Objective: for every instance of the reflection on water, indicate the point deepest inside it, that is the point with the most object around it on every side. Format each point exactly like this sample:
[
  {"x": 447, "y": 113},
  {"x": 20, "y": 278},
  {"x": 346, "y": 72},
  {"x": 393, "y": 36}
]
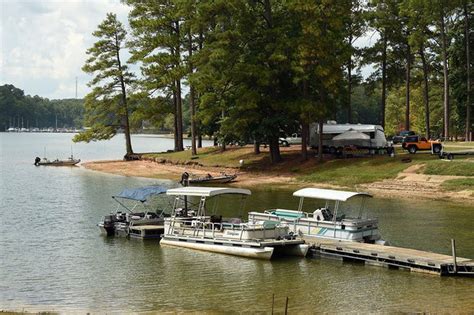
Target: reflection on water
[{"x": 52, "y": 256}]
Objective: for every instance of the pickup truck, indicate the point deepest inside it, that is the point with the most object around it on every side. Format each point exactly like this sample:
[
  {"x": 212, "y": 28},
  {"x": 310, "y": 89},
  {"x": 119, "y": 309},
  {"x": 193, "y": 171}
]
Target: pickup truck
[{"x": 417, "y": 143}]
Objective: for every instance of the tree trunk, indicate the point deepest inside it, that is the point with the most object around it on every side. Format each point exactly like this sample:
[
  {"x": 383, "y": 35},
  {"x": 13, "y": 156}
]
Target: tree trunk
[
  {"x": 426, "y": 97},
  {"x": 445, "y": 79},
  {"x": 191, "y": 97},
  {"x": 407, "y": 89},
  {"x": 384, "y": 79},
  {"x": 175, "y": 108},
  {"x": 256, "y": 147},
  {"x": 275, "y": 155},
  {"x": 468, "y": 72},
  {"x": 320, "y": 140},
  {"x": 199, "y": 138},
  {"x": 349, "y": 79},
  {"x": 126, "y": 122},
  {"x": 179, "y": 101},
  {"x": 304, "y": 140}
]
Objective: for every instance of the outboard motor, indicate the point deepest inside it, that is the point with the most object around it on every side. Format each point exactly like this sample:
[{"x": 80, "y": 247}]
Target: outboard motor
[
  {"x": 37, "y": 160},
  {"x": 185, "y": 179}
]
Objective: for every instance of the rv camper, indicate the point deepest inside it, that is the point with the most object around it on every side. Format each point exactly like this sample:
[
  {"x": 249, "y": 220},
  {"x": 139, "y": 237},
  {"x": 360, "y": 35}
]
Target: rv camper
[{"x": 337, "y": 136}]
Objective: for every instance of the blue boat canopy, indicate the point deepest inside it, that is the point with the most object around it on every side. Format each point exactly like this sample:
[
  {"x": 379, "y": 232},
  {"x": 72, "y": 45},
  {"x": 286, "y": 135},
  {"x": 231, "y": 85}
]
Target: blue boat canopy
[{"x": 142, "y": 193}]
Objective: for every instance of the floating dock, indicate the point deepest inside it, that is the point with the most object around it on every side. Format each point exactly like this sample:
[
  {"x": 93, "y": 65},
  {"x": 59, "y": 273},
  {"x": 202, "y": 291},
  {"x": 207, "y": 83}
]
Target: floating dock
[{"x": 393, "y": 257}]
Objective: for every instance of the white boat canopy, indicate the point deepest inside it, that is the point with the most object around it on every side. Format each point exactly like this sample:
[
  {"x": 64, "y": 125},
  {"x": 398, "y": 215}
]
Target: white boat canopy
[
  {"x": 206, "y": 191},
  {"x": 328, "y": 194}
]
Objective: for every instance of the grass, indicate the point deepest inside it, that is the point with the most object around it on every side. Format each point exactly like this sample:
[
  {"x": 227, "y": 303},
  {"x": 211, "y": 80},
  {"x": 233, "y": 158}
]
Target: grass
[
  {"x": 463, "y": 167},
  {"x": 466, "y": 145},
  {"x": 459, "y": 184},
  {"x": 354, "y": 171}
]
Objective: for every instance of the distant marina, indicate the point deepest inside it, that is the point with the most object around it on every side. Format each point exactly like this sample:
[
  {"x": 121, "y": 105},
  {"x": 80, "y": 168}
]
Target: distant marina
[{"x": 45, "y": 130}]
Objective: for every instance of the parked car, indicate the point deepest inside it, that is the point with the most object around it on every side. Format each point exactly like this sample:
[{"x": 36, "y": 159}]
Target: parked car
[
  {"x": 417, "y": 143},
  {"x": 294, "y": 139},
  {"x": 401, "y": 136}
]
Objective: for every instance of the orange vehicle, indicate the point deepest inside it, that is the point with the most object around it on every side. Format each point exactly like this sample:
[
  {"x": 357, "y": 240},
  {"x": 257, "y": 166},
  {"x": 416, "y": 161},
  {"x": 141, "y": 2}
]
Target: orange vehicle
[{"x": 417, "y": 143}]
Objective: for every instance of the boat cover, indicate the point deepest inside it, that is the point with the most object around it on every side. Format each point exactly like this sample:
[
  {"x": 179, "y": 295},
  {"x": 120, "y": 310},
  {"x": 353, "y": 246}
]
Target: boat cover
[
  {"x": 328, "y": 194},
  {"x": 142, "y": 193}
]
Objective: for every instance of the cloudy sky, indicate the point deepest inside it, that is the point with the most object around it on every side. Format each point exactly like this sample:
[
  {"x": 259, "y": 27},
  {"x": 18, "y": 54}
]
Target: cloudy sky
[{"x": 43, "y": 43}]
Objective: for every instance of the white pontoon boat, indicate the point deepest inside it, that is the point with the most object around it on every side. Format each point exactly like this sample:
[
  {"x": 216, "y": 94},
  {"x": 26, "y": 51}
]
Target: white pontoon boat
[
  {"x": 195, "y": 229},
  {"x": 325, "y": 222}
]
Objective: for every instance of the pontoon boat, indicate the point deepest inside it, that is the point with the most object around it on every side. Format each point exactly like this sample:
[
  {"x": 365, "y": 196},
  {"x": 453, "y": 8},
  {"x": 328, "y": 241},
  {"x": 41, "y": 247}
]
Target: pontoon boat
[
  {"x": 328, "y": 222},
  {"x": 195, "y": 229}
]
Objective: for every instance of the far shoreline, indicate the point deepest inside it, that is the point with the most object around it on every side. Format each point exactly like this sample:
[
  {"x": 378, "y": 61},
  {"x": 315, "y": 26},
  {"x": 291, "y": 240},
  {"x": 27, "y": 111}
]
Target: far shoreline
[{"x": 408, "y": 183}]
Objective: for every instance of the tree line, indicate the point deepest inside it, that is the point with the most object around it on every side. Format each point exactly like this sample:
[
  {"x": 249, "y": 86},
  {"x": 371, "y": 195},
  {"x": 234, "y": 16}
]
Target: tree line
[
  {"x": 255, "y": 69},
  {"x": 18, "y": 110}
]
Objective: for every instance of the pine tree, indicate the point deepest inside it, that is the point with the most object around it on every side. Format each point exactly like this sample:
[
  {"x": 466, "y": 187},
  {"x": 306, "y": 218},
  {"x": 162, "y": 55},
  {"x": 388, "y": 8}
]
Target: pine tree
[{"x": 106, "y": 106}]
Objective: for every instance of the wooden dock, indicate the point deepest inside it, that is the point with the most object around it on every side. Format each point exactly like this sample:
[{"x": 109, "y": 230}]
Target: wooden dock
[{"x": 392, "y": 257}]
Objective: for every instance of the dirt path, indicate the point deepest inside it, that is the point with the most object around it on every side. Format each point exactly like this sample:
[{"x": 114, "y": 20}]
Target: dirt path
[{"x": 408, "y": 184}]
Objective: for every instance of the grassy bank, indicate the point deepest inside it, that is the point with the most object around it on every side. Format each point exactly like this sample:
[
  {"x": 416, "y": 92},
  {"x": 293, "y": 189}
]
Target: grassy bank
[{"x": 341, "y": 172}]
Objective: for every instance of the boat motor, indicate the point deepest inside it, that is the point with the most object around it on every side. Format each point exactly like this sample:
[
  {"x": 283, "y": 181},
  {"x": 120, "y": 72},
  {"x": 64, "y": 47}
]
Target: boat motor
[{"x": 37, "y": 160}]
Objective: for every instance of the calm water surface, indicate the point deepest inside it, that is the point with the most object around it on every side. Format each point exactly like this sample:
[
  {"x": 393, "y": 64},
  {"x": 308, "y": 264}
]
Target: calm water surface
[{"x": 53, "y": 258}]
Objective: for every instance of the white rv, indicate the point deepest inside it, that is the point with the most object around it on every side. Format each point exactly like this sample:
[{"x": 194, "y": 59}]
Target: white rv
[{"x": 337, "y": 136}]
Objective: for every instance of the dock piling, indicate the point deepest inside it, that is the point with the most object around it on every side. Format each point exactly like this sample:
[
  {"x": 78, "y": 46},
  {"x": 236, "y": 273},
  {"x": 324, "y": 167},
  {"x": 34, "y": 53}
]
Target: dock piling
[{"x": 453, "y": 249}]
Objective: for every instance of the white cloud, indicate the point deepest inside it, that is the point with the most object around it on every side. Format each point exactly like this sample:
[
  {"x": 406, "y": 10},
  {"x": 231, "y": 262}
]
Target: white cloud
[{"x": 46, "y": 41}]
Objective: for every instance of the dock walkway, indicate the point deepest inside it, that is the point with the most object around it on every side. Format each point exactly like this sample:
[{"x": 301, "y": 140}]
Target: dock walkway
[{"x": 392, "y": 257}]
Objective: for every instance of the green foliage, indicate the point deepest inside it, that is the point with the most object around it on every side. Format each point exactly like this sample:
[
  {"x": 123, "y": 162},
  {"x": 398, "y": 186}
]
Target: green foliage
[{"x": 37, "y": 112}]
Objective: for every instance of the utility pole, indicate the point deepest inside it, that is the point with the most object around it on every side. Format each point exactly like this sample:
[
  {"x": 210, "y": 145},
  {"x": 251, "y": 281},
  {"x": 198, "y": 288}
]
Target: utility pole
[{"x": 76, "y": 87}]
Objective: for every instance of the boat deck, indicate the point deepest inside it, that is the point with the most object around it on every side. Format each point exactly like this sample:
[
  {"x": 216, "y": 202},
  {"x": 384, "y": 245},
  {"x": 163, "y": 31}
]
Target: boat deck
[
  {"x": 392, "y": 257},
  {"x": 234, "y": 242},
  {"x": 147, "y": 227}
]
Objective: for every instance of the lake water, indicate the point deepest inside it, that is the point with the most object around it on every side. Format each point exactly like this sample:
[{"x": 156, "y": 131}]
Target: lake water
[{"x": 52, "y": 256}]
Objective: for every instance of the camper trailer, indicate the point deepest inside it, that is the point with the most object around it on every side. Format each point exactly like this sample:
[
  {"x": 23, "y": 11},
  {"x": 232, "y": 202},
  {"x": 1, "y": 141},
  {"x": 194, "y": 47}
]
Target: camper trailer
[{"x": 337, "y": 136}]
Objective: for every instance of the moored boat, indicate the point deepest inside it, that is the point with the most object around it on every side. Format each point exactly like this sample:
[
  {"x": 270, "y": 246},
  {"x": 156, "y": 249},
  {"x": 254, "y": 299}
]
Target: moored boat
[
  {"x": 193, "y": 228},
  {"x": 329, "y": 222},
  {"x": 70, "y": 161},
  {"x": 223, "y": 178},
  {"x": 143, "y": 223}
]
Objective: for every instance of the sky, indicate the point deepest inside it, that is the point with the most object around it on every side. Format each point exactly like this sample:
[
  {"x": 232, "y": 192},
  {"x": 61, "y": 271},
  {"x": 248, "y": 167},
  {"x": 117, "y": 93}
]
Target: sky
[{"x": 43, "y": 43}]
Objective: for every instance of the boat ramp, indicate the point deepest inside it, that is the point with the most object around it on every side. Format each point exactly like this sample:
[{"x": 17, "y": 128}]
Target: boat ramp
[{"x": 392, "y": 257}]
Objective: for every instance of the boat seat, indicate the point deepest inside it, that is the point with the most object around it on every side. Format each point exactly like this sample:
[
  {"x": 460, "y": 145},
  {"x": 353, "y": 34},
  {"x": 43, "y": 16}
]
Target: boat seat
[
  {"x": 268, "y": 224},
  {"x": 288, "y": 213}
]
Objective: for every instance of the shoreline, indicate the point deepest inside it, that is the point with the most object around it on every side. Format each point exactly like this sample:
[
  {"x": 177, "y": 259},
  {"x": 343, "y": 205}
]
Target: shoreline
[{"x": 408, "y": 183}]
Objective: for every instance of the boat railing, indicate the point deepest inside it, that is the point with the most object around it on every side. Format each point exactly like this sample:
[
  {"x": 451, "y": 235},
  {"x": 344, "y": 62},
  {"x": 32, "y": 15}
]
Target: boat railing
[{"x": 209, "y": 229}]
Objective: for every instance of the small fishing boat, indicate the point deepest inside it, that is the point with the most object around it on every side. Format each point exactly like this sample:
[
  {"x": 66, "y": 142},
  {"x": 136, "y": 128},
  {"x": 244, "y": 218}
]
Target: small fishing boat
[
  {"x": 187, "y": 178},
  {"x": 195, "y": 229},
  {"x": 70, "y": 161},
  {"x": 329, "y": 222},
  {"x": 134, "y": 223}
]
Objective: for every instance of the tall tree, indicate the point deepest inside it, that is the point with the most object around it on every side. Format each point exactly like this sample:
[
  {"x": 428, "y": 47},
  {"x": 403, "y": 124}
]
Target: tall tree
[
  {"x": 467, "y": 41},
  {"x": 106, "y": 106},
  {"x": 355, "y": 27},
  {"x": 389, "y": 50},
  {"x": 156, "y": 44}
]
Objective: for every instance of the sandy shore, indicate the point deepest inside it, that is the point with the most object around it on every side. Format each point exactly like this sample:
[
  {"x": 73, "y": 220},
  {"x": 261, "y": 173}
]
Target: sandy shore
[{"x": 408, "y": 184}]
